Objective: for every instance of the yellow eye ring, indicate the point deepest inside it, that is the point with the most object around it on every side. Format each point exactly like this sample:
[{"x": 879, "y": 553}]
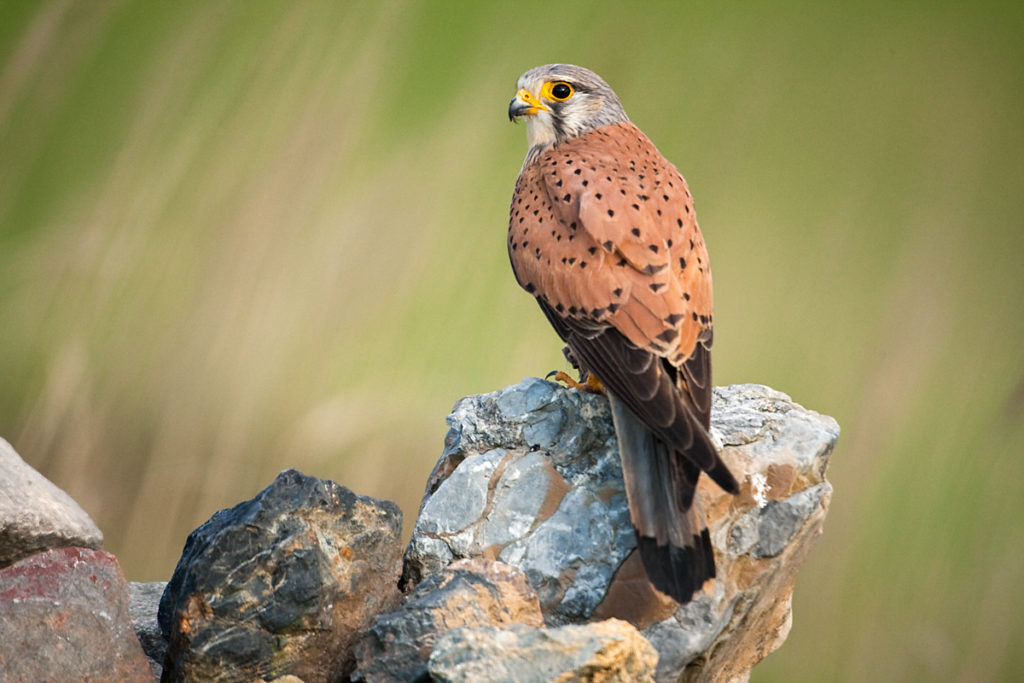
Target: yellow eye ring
[{"x": 557, "y": 91}]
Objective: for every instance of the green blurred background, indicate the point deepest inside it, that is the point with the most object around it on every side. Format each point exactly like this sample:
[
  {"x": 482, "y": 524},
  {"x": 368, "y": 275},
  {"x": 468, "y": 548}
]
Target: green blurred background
[{"x": 242, "y": 236}]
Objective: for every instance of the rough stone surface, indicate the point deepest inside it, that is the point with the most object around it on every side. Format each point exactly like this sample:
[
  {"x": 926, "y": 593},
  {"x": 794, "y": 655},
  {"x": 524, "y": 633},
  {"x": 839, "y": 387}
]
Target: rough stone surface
[
  {"x": 473, "y": 592},
  {"x": 761, "y": 536},
  {"x": 530, "y": 475},
  {"x": 285, "y": 583},
  {"x": 64, "y": 617},
  {"x": 607, "y": 651},
  {"x": 144, "y": 602},
  {"x": 35, "y": 514}
]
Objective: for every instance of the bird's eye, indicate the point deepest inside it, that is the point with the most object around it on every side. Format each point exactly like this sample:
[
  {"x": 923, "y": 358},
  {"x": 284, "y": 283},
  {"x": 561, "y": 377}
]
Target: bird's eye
[{"x": 560, "y": 91}]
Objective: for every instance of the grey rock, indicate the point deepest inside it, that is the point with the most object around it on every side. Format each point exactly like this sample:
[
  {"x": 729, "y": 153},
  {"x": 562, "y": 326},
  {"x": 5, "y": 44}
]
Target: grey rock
[
  {"x": 35, "y": 514},
  {"x": 459, "y": 512},
  {"x": 285, "y": 583},
  {"x": 543, "y": 475},
  {"x": 771, "y": 428},
  {"x": 608, "y": 651},
  {"x": 582, "y": 541},
  {"x": 541, "y": 469},
  {"x": 475, "y": 592},
  {"x": 780, "y": 451},
  {"x": 690, "y": 631},
  {"x": 779, "y": 520},
  {"x": 144, "y": 602},
  {"x": 64, "y": 617}
]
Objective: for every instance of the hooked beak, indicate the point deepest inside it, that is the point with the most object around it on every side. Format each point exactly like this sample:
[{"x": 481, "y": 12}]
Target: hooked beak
[{"x": 524, "y": 104}]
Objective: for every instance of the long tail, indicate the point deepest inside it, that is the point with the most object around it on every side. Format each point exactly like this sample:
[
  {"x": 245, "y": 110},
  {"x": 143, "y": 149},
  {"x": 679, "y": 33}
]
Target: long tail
[{"x": 673, "y": 539}]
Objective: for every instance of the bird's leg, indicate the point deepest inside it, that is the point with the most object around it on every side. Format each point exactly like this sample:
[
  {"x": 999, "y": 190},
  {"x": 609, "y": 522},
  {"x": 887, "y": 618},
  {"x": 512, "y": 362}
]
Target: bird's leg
[{"x": 587, "y": 382}]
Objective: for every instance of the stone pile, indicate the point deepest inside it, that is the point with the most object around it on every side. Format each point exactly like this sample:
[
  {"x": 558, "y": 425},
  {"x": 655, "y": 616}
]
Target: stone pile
[
  {"x": 63, "y": 602},
  {"x": 521, "y": 564},
  {"x": 530, "y": 476}
]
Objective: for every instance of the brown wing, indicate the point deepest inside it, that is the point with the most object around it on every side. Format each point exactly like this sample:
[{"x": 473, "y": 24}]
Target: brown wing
[
  {"x": 603, "y": 232},
  {"x": 653, "y": 390},
  {"x": 603, "y": 228}
]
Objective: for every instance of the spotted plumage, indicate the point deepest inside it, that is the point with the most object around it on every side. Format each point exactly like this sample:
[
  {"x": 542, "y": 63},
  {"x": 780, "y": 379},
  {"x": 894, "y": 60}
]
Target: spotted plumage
[{"x": 603, "y": 233}]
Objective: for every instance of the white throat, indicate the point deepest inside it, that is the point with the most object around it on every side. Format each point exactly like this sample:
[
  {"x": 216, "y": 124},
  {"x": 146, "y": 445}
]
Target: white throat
[
  {"x": 540, "y": 135},
  {"x": 539, "y": 131}
]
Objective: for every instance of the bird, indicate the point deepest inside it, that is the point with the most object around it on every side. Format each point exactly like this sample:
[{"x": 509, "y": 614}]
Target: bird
[{"x": 602, "y": 232}]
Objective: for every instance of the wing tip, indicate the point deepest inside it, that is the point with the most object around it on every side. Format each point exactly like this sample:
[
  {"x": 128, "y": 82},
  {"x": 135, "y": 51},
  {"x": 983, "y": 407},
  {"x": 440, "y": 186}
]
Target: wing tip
[{"x": 721, "y": 475}]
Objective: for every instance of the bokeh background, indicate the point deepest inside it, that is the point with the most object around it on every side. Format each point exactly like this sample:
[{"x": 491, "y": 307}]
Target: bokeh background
[{"x": 242, "y": 236}]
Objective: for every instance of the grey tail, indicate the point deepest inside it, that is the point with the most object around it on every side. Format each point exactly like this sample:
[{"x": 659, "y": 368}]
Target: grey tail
[{"x": 671, "y": 534}]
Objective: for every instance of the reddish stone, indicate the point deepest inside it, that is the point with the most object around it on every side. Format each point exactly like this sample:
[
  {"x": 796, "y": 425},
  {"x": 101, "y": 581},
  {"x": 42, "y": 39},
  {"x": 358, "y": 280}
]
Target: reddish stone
[{"x": 64, "y": 617}]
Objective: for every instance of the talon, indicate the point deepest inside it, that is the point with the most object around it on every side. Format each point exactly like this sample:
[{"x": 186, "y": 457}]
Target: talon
[
  {"x": 591, "y": 384},
  {"x": 565, "y": 379}
]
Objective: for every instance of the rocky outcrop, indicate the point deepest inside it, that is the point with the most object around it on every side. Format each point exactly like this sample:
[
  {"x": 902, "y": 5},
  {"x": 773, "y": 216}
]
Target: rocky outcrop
[
  {"x": 530, "y": 476},
  {"x": 521, "y": 565},
  {"x": 285, "y": 583},
  {"x": 761, "y": 537}
]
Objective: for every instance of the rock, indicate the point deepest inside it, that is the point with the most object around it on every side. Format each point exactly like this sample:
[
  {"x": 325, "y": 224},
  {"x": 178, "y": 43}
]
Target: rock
[
  {"x": 608, "y": 651},
  {"x": 473, "y": 592},
  {"x": 283, "y": 584},
  {"x": 530, "y": 475},
  {"x": 35, "y": 515},
  {"x": 144, "y": 602},
  {"x": 64, "y": 617},
  {"x": 761, "y": 536}
]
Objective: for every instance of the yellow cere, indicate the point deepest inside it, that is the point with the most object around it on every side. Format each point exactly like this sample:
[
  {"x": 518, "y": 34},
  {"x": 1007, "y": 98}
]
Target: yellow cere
[{"x": 535, "y": 104}]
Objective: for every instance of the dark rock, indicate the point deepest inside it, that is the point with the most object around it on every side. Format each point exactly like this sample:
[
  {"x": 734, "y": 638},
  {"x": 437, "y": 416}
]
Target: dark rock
[
  {"x": 64, "y": 617},
  {"x": 474, "y": 592},
  {"x": 144, "y": 602},
  {"x": 611, "y": 651},
  {"x": 35, "y": 515},
  {"x": 285, "y": 583}
]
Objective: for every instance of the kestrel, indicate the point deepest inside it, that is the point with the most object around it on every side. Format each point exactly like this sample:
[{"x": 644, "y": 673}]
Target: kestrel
[{"x": 603, "y": 233}]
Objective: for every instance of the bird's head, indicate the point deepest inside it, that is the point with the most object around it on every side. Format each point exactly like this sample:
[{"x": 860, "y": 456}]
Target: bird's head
[{"x": 562, "y": 101}]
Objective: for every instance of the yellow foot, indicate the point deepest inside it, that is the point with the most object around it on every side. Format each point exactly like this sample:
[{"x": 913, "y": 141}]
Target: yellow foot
[{"x": 591, "y": 384}]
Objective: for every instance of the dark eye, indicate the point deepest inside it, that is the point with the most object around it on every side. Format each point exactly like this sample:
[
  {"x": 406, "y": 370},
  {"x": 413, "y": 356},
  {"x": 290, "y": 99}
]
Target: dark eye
[{"x": 561, "y": 91}]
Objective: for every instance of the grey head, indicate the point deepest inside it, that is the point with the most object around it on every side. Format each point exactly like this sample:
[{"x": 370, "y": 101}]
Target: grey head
[{"x": 560, "y": 102}]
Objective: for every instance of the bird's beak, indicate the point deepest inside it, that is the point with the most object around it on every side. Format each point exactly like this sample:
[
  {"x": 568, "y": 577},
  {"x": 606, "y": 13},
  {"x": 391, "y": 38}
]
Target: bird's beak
[{"x": 524, "y": 104}]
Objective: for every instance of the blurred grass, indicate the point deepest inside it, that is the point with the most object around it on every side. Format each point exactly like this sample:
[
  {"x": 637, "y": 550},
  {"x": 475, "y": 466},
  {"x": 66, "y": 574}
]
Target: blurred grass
[{"x": 243, "y": 236}]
